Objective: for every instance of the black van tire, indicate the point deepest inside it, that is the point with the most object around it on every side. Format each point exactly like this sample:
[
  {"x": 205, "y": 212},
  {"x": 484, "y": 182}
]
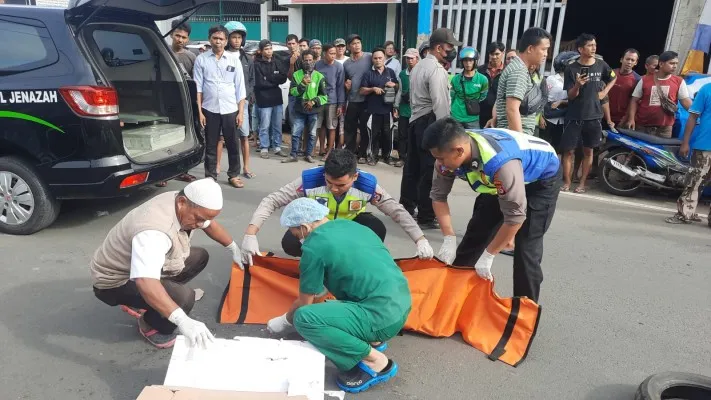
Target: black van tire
[
  {"x": 46, "y": 205},
  {"x": 674, "y": 385}
]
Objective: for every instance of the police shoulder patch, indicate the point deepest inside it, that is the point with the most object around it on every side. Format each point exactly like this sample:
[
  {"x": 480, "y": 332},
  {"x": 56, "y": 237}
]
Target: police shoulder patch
[
  {"x": 500, "y": 188},
  {"x": 377, "y": 198}
]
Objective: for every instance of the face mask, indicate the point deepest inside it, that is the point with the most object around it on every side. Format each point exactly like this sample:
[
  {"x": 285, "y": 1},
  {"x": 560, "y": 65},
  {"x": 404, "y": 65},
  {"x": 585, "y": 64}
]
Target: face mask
[
  {"x": 451, "y": 55},
  {"x": 308, "y": 67},
  {"x": 303, "y": 236}
]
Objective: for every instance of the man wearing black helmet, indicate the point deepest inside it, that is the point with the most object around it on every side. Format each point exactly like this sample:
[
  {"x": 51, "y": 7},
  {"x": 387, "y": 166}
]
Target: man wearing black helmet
[{"x": 429, "y": 99}]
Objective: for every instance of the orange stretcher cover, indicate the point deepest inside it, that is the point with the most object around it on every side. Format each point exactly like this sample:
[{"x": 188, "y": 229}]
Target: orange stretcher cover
[{"x": 445, "y": 300}]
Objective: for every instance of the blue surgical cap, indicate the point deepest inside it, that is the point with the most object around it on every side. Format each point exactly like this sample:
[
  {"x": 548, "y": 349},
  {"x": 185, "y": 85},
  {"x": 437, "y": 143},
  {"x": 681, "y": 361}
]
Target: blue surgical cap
[{"x": 302, "y": 211}]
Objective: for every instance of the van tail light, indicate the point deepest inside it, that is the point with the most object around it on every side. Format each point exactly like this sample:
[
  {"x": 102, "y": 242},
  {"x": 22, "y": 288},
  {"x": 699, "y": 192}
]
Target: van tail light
[
  {"x": 91, "y": 101},
  {"x": 133, "y": 180}
]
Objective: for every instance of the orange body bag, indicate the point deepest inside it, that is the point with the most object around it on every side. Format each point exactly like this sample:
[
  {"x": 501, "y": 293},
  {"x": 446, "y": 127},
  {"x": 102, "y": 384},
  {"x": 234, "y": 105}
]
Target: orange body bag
[{"x": 445, "y": 300}]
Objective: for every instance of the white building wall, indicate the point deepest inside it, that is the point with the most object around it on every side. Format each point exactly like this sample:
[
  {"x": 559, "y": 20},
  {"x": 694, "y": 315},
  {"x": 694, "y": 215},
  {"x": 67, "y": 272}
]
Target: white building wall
[{"x": 683, "y": 26}]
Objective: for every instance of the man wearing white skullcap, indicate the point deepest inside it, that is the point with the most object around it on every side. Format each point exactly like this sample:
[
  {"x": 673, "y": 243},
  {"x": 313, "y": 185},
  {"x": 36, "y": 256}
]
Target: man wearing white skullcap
[{"x": 146, "y": 260}]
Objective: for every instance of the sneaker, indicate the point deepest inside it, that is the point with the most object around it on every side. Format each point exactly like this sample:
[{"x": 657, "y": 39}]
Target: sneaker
[
  {"x": 432, "y": 224},
  {"x": 309, "y": 159},
  {"x": 152, "y": 336},
  {"x": 290, "y": 159},
  {"x": 280, "y": 153},
  {"x": 264, "y": 154},
  {"x": 361, "y": 377}
]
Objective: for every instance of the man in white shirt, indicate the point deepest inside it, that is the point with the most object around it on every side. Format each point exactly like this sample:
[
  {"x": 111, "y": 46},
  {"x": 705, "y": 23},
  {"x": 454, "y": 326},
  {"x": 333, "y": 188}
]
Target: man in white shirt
[
  {"x": 557, "y": 100},
  {"x": 221, "y": 93},
  {"x": 146, "y": 260}
]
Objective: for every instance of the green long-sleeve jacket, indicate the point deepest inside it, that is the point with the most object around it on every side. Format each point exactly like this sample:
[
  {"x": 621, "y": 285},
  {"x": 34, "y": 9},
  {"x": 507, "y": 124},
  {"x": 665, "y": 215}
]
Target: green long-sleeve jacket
[
  {"x": 476, "y": 89},
  {"x": 315, "y": 91}
]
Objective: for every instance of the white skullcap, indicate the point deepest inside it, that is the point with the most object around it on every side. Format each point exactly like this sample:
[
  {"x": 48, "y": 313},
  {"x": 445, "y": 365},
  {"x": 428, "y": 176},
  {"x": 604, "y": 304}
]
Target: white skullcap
[{"x": 205, "y": 193}]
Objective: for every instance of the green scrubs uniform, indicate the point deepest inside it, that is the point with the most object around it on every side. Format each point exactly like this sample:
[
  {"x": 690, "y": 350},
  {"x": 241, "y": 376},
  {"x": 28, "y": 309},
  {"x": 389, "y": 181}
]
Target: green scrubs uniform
[{"x": 373, "y": 297}]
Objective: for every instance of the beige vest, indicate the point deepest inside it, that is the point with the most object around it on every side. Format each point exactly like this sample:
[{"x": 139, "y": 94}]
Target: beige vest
[{"x": 111, "y": 265}]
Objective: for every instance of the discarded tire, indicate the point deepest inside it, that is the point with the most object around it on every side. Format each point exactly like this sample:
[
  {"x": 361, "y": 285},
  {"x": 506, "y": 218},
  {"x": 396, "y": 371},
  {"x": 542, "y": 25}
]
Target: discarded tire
[{"x": 675, "y": 385}]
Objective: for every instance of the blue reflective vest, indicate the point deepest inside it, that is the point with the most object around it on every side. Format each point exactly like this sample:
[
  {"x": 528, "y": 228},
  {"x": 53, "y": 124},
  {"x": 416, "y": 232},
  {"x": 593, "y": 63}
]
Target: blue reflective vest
[
  {"x": 348, "y": 206},
  {"x": 499, "y": 146}
]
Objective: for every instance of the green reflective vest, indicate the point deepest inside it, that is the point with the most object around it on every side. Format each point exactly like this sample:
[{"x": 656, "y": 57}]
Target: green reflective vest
[
  {"x": 353, "y": 202},
  {"x": 316, "y": 91}
]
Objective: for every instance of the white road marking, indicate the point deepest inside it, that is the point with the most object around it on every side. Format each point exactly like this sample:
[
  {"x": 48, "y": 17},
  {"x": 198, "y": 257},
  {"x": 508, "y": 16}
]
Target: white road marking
[{"x": 625, "y": 203}]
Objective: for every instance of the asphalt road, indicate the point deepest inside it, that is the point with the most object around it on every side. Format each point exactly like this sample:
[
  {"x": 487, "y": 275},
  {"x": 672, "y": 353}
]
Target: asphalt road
[{"x": 625, "y": 296}]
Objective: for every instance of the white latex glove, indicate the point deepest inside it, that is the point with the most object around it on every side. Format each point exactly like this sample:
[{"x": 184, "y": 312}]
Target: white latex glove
[
  {"x": 483, "y": 266},
  {"x": 278, "y": 324},
  {"x": 448, "y": 251},
  {"x": 236, "y": 254},
  {"x": 250, "y": 247},
  {"x": 424, "y": 250},
  {"x": 195, "y": 332}
]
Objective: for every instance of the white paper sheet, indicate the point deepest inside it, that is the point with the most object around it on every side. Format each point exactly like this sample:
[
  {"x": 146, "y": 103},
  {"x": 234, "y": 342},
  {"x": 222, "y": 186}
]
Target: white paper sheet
[{"x": 249, "y": 364}]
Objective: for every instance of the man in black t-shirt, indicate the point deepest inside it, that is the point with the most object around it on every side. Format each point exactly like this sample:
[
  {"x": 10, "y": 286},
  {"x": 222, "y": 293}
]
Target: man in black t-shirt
[{"x": 583, "y": 77}]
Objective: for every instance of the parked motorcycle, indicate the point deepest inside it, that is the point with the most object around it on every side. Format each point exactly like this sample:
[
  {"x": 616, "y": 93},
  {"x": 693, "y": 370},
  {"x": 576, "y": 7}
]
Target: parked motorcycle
[{"x": 634, "y": 159}]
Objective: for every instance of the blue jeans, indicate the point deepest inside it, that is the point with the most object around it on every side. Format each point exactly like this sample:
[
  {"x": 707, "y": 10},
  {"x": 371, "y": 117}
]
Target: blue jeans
[
  {"x": 299, "y": 122},
  {"x": 270, "y": 127}
]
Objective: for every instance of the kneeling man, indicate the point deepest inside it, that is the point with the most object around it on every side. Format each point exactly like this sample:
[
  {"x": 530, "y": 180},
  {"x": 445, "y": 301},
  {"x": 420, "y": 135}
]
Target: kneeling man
[
  {"x": 345, "y": 190},
  {"x": 146, "y": 260},
  {"x": 372, "y": 295}
]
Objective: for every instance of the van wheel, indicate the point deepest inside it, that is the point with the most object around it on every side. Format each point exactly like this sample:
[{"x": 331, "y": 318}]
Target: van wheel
[{"x": 26, "y": 204}]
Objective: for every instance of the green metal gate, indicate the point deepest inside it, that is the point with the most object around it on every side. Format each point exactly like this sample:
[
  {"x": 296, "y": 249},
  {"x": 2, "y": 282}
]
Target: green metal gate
[{"x": 328, "y": 22}]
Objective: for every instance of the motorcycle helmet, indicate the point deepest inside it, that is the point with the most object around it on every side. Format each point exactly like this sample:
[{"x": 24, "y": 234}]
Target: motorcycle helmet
[
  {"x": 236, "y": 26},
  {"x": 562, "y": 59},
  {"x": 469, "y": 53},
  {"x": 423, "y": 47}
]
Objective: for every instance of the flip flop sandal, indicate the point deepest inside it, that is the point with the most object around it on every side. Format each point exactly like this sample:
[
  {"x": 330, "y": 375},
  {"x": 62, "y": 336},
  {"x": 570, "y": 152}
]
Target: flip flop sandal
[
  {"x": 134, "y": 312},
  {"x": 162, "y": 184},
  {"x": 236, "y": 183},
  {"x": 565, "y": 188},
  {"x": 580, "y": 190},
  {"x": 677, "y": 220},
  {"x": 381, "y": 347},
  {"x": 362, "y": 161},
  {"x": 186, "y": 178},
  {"x": 248, "y": 175},
  {"x": 158, "y": 339},
  {"x": 361, "y": 377},
  {"x": 507, "y": 252}
]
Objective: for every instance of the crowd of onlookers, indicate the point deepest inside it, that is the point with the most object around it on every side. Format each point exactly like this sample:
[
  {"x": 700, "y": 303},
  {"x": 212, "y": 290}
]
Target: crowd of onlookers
[{"x": 343, "y": 96}]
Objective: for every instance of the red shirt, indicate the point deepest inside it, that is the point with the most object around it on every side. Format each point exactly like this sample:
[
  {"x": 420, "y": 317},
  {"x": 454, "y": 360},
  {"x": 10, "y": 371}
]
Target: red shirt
[
  {"x": 621, "y": 93},
  {"x": 649, "y": 112}
]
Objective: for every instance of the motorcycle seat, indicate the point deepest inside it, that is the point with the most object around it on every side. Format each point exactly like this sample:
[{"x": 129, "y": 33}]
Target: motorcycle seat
[{"x": 651, "y": 138}]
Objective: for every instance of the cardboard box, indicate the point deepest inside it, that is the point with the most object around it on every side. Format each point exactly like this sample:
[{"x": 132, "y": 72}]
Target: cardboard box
[
  {"x": 286, "y": 369},
  {"x": 174, "y": 393}
]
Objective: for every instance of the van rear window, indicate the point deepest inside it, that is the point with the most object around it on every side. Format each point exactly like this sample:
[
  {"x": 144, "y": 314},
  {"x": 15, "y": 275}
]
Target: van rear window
[
  {"x": 121, "y": 48},
  {"x": 24, "y": 48}
]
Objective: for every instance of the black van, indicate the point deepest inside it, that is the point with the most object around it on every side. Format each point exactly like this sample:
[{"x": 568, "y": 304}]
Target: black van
[{"x": 92, "y": 104}]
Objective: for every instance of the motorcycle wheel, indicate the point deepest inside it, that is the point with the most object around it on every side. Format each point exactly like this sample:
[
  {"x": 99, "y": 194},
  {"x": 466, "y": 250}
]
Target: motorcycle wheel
[{"x": 616, "y": 182}]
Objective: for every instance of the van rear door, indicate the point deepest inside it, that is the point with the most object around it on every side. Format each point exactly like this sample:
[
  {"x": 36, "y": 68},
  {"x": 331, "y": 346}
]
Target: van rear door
[{"x": 157, "y": 10}]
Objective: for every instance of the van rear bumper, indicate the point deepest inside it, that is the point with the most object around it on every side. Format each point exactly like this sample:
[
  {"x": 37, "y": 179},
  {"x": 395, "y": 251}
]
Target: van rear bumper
[{"x": 113, "y": 172}]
